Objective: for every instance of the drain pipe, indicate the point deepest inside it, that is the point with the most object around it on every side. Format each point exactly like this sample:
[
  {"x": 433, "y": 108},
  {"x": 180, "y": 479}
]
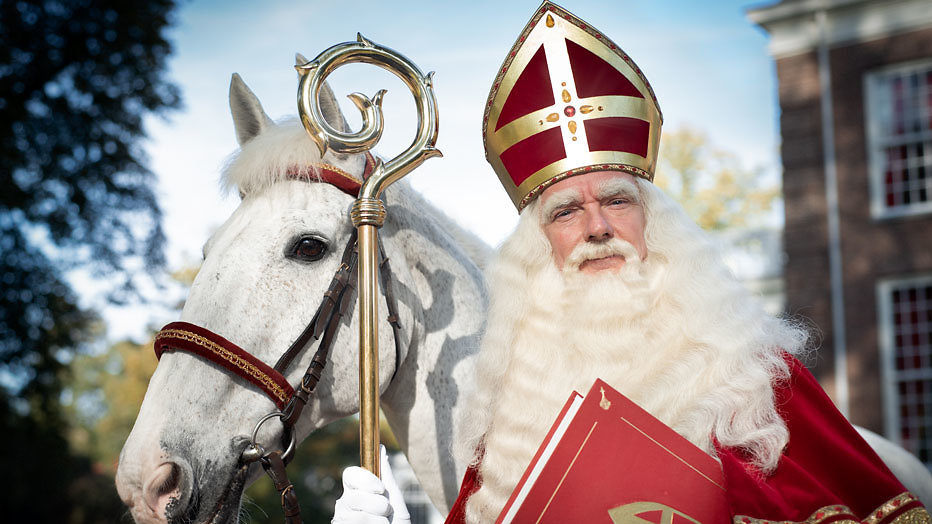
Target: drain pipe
[{"x": 834, "y": 231}]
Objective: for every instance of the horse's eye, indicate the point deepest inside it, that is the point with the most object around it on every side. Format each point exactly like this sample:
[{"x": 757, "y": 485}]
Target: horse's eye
[{"x": 307, "y": 249}]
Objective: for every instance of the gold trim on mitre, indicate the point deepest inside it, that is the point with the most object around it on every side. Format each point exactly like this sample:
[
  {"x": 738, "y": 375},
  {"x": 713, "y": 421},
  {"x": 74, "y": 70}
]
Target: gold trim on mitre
[{"x": 537, "y": 105}]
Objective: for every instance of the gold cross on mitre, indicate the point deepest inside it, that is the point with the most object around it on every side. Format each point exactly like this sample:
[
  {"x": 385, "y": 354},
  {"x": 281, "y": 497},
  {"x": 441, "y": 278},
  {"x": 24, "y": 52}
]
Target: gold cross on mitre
[{"x": 566, "y": 101}]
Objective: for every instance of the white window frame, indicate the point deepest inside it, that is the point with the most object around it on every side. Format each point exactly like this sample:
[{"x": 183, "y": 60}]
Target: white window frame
[
  {"x": 887, "y": 347},
  {"x": 877, "y": 109}
]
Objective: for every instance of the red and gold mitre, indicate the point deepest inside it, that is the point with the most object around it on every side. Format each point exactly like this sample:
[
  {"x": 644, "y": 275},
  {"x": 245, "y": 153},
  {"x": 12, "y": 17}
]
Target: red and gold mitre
[{"x": 568, "y": 101}]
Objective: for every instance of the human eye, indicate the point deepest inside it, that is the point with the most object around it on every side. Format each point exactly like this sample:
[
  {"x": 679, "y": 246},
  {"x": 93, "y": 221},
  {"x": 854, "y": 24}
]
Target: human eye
[
  {"x": 618, "y": 200},
  {"x": 561, "y": 213}
]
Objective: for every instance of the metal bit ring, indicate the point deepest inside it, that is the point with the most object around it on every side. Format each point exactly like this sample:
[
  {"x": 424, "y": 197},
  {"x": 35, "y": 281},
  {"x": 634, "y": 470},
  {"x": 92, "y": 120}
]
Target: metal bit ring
[{"x": 256, "y": 451}]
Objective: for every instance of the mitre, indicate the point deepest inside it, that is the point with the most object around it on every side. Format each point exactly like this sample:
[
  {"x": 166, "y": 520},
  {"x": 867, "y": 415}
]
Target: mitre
[{"x": 568, "y": 101}]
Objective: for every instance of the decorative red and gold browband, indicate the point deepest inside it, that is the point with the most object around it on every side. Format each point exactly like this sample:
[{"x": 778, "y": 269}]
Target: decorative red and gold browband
[
  {"x": 333, "y": 175},
  {"x": 184, "y": 336}
]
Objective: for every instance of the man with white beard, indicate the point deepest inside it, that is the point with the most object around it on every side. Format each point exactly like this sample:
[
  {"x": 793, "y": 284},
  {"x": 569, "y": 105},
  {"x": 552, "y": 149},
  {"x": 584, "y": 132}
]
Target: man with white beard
[{"x": 605, "y": 277}]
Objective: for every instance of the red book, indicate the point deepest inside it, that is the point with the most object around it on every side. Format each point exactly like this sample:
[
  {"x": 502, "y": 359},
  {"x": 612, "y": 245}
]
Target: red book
[{"x": 607, "y": 460}]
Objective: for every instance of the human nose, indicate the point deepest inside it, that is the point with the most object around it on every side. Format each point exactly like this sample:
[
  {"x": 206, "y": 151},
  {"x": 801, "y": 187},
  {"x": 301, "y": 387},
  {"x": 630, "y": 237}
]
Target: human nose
[{"x": 597, "y": 227}]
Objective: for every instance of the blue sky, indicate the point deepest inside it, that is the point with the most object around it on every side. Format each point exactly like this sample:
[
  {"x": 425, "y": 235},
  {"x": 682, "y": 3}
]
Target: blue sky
[{"x": 707, "y": 63}]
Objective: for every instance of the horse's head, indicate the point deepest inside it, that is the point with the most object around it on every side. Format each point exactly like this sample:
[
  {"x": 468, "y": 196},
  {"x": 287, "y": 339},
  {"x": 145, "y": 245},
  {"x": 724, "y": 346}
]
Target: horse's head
[{"x": 264, "y": 274}]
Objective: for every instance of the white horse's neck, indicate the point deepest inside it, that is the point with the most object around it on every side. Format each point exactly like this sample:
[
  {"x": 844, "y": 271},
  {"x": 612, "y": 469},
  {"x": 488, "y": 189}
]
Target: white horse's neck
[{"x": 442, "y": 298}]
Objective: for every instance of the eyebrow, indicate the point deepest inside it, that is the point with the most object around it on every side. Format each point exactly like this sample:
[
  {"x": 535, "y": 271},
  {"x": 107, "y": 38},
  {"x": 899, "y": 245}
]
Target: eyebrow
[
  {"x": 563, "y": 198},
  {"x": 618, "y": 187},
  {"x": 608, "y": 188}
]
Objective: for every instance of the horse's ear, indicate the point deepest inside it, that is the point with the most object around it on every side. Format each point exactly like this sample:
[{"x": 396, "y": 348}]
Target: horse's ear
[
  {"x": 328, "y": 102},
  {"x": 249, "y": 119}
]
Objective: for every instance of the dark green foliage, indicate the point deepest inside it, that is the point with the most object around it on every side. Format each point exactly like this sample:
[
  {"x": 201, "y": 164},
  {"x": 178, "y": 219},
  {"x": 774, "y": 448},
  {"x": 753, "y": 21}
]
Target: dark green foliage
[{"x": 76, "y": 80}]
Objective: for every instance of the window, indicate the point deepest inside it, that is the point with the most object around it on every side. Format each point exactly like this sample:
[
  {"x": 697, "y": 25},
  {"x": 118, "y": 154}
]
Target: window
[
  {"x": 906, "y": 362},
  {"x": 898, "y": 110}
]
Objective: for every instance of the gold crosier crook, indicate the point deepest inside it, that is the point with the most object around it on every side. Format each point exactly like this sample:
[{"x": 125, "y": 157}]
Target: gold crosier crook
[{"x": 368, "y": 212}]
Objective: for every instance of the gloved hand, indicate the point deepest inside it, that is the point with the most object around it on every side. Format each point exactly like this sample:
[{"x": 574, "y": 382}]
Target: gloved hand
[{"x": 368, "y": 500}]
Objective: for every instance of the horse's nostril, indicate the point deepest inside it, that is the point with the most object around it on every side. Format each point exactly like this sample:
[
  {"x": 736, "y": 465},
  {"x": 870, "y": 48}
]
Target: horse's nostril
[
  {"x": 162, "y": 488},
  {"x": 170, "y": 483}
]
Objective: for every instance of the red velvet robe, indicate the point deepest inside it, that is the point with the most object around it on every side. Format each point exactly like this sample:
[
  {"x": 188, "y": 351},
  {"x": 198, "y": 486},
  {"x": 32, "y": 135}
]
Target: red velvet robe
[{"x": 827, "y": 472}]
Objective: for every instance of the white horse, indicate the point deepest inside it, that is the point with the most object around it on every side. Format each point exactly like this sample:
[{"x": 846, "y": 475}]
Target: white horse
[
  {"x": 180, "y": 462},
  {"x": 907, "y": 468}
]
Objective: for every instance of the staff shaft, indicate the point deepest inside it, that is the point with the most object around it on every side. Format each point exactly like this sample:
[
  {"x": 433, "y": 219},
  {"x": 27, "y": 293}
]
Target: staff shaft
[
  {"x": 368, "y": 212},
  {"x": 368, "y": 348}
]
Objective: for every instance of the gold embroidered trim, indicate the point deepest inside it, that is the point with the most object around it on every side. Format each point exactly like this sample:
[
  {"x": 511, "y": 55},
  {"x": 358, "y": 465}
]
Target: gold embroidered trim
[
  {"x": 818, "y": 515},
  {"x": 912, "y": 516},
  {"x": 336, "y": 170},
  {"x": 238, "y": 361}
]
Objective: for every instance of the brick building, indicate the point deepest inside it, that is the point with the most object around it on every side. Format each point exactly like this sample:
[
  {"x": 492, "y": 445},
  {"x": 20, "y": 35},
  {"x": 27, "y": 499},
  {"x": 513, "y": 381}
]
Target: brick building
[{"x": 855, "y": 92}]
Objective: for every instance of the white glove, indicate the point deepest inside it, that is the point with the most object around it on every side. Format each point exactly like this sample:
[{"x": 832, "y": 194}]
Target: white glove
[{"x": 368, "y": 500}]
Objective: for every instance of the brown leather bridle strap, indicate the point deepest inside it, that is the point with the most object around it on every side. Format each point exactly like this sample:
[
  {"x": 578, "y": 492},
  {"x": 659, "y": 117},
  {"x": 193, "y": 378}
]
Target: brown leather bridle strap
[
  {"x": 385, "y": 278},
  {"x": 184, "y": 336},
  {"x": 336, "y": 301},
  {"x": 324, "y": 315},
  {"x": 275, "y": 467}
]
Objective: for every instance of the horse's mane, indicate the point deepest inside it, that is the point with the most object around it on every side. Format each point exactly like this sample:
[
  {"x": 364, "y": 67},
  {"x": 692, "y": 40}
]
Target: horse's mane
[
  {"x": 280, "y": 149},
  {"x": 474, "y": 247}
]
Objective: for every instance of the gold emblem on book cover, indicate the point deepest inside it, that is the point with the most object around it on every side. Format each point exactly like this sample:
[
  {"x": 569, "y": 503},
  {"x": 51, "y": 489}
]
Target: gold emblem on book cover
[
  {"x": 631, "y": 514},
  {"x": 604, "y": 403}
]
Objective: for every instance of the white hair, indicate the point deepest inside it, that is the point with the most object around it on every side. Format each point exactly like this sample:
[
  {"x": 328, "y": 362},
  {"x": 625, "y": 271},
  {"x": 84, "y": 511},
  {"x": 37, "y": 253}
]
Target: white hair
[{"x": 676, "y": 333}]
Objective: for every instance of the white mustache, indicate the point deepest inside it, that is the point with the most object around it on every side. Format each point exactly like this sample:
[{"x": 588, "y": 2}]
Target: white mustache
[{"x": 594, "y": 251}]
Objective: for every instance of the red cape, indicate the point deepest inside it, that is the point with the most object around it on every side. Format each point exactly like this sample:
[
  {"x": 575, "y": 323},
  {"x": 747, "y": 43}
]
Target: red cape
[{"x": 827, "y": 473}]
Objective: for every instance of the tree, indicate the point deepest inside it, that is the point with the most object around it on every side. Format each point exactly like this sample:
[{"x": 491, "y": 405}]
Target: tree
[
  {"x": 76, "y": 79},
  {"x": 106, "y": 391},
  {"x": 716, "y": 191}
]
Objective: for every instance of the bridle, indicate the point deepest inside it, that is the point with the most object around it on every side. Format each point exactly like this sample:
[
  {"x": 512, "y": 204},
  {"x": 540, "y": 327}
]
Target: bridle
[{"x": 290, "y": 401}]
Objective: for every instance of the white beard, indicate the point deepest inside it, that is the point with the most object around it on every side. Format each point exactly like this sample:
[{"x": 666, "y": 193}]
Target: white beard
[
  {"x": 578, "y": 329},
  {"x": 551, "y": 333}
]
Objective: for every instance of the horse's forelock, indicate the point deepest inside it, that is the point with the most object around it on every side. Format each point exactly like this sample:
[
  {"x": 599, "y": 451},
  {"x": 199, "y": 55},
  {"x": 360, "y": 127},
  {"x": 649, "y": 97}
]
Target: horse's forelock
[{"x": 277, "y": 153}]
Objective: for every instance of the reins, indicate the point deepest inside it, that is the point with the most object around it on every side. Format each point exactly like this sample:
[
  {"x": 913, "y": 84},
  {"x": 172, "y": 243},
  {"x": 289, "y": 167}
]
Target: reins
[{"x": 290, "y": 401}]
